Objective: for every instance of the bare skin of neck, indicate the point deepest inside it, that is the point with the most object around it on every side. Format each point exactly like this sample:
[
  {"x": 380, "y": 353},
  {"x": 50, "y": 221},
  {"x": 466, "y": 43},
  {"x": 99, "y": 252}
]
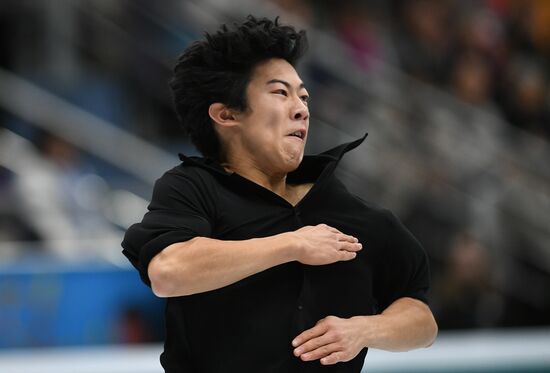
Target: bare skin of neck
[{"x": 274, "y": 181}]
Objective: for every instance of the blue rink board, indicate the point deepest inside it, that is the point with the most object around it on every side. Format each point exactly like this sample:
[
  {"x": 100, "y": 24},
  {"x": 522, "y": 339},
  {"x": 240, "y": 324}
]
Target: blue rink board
[{"x": 44, "y": 302}]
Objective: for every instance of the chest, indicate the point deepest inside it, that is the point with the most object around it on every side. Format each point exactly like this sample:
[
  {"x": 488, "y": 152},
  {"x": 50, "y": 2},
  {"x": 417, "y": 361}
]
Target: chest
[
  {"x": 295, "y": 193},
  {"x": 245, "y": 212}
]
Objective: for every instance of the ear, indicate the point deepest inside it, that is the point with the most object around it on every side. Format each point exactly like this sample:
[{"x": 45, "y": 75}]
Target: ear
[{"x": 222, "y": 115}]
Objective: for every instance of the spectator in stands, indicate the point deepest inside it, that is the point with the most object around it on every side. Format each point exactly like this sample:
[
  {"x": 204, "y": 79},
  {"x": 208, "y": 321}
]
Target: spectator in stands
[
  {"x": 526, "y": 100},
  {"x": 423, "y": 38},
  {"x": 13, "y": 225},
  {"x": 471, "y": 80},
  {"x": 465, "y": 296}
]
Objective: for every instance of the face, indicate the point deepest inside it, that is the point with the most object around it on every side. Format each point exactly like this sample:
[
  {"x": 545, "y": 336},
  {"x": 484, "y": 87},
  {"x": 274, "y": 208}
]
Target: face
[{"x": 273, "y": 130}]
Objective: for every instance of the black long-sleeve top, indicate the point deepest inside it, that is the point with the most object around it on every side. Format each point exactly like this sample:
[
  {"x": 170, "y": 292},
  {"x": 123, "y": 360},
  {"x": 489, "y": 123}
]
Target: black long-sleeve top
[{"x": 248, "y": 326}]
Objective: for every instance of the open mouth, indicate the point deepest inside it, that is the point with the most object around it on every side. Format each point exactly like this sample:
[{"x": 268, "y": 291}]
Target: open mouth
[{"x": 299, "y": 134}]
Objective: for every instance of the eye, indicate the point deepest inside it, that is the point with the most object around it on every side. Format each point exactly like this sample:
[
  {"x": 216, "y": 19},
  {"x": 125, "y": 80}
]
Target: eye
[
  {"x": 281, "y": 92},
  {"x": 305, "y": 99}
]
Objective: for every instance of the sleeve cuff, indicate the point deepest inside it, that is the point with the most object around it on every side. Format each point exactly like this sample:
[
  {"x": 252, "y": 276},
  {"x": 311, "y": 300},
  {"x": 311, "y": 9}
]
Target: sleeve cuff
[{"x": 155, "y": 246}]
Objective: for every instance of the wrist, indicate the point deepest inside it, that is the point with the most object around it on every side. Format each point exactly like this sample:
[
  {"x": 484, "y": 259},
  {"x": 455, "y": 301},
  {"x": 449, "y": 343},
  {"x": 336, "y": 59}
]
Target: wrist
[
  {"x": 372, "y": 330},
  {"x": 285, "y": 246}
]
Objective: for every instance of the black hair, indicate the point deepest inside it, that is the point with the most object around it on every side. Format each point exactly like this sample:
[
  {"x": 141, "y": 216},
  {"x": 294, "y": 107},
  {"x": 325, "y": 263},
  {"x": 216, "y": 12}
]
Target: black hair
[{"x": 219, "y": 68}]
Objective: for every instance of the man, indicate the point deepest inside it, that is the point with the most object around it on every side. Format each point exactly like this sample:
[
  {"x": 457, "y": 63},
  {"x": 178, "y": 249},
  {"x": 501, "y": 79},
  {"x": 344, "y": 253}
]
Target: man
[{"x": 267, "y": 262}]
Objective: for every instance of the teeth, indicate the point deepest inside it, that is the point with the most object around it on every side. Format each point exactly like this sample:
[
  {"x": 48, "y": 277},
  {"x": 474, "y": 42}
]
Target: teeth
[{"x": 298, "y": 134}]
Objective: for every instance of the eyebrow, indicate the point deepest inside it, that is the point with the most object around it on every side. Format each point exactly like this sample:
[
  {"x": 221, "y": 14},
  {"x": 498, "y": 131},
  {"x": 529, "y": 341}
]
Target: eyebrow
[{"x": 287, "y": 84}]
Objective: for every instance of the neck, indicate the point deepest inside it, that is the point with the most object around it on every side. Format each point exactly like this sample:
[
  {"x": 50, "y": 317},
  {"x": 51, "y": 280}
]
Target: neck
[{"x": 274, "y": 181}]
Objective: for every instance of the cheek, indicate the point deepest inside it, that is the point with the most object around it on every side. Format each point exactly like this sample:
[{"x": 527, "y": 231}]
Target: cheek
[
  {"x": 273, "y": 119},
  {"x": 269, "y": 126},
  {"x": 260, "y": 138}
]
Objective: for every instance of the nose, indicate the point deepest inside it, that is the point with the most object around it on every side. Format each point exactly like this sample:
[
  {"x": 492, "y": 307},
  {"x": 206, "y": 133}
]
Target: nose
[{"x": 300, "y": 111}]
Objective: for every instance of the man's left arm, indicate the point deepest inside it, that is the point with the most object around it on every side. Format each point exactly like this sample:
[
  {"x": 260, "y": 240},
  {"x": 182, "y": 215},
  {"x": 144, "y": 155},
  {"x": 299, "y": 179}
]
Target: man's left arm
[{"x": 404, "y": 325}]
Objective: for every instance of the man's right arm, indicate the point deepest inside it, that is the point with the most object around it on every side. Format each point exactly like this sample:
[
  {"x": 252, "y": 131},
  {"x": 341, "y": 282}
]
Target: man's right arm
[{"x": 202, "y": 264}]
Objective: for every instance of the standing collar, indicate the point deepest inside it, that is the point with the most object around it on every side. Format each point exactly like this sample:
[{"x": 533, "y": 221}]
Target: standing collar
[
  {"x": 206, "y": 163},
  {"x": 338, "y": 152},
  {"x": 334, "y": 154}
]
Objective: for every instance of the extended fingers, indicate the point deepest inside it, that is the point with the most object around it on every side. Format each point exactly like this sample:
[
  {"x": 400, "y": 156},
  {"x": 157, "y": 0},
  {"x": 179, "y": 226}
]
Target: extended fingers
[
  {"x": 312, "y": 345},
  {"x": 339, "y": 342},
  {"x": 340, "y": 236},
  {"x": 346, "y": 255},
  {"x": 356, "y": 246},
  {"x": 333, "y": 358},
  {"x": 317, "y": 331},
  {"x": 321, "y": 352},
  {"x": 347, "y": 238}
]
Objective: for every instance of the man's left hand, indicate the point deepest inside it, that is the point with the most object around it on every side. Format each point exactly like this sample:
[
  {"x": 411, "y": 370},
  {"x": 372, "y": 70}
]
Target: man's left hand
[{"x": 332, "y": 340}]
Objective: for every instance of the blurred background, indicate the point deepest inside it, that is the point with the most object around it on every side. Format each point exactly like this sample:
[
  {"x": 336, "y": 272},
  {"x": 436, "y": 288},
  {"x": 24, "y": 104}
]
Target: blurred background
[{"x": 455, "y": 96}]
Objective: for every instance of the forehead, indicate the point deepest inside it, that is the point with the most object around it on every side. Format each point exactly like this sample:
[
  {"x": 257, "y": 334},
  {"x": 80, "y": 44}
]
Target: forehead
[{"x": 275, "y": 69}]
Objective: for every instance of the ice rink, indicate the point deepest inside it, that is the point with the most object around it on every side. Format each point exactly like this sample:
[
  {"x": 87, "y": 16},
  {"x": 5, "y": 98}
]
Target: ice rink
[{"x": 484, "y": 351}]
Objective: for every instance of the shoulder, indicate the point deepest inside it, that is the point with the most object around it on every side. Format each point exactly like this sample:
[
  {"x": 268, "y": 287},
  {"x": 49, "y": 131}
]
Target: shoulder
[
  {"x": 184, "y": 184},
  {"x": 383, "y": 218},
  {"x": 188, "y": 174},
  {"x": 338, "y": 192}
]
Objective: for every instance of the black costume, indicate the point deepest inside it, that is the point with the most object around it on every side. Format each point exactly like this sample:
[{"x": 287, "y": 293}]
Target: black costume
[{"x": 248, "y": 326}]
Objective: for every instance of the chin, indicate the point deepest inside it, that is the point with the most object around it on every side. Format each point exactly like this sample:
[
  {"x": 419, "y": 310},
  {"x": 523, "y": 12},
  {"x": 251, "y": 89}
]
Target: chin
[{"x": 294, "y": 162}]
